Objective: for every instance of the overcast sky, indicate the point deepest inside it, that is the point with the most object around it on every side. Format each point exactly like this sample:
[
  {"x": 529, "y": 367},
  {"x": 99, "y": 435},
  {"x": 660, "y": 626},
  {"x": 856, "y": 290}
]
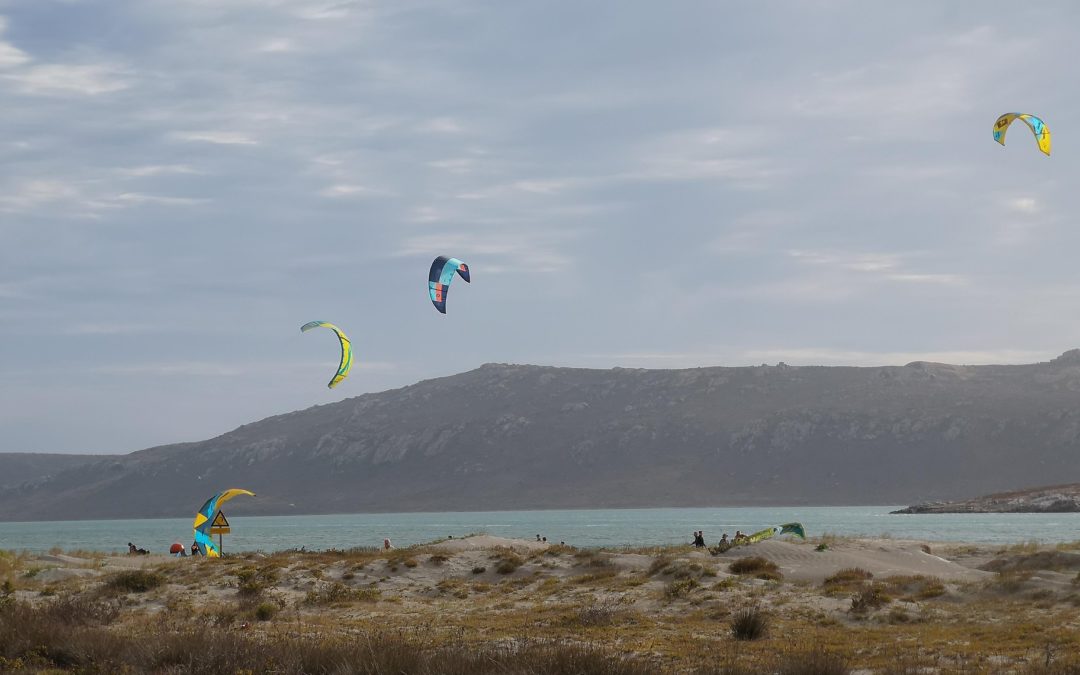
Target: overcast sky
[{"x": 183, "y": 183}]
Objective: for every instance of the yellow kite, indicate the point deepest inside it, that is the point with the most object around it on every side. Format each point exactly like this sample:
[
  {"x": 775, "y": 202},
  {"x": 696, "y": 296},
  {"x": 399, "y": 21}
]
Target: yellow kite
[{"x": 1042, "y": 133}]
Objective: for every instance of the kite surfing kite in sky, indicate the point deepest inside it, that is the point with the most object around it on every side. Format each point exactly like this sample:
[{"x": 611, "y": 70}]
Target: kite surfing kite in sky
[
  {"x": 346, "y": 350},
  {"x": 442, "y": 271},
  {"x": 205, "y": 517},
  {"x": 1042, "y": 133}
]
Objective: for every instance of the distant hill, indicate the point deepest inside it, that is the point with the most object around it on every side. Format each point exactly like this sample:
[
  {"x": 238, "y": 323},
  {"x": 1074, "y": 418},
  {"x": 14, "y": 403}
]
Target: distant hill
[
  {"x": 18, "y": 467},
  {"x": 1052, "y": 499},
  {"x": 518, "y": 437}
]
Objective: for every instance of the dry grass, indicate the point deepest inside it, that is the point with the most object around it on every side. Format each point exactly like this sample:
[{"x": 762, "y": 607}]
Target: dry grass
[
  {"x": 134, "y": 581},
  {"x": 757, "y": 567},
  {"x": 675, "y": 621}
]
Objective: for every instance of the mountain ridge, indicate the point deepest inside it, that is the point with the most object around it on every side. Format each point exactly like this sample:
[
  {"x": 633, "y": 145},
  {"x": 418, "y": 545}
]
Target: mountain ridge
[{"x": 506, "y": 436}]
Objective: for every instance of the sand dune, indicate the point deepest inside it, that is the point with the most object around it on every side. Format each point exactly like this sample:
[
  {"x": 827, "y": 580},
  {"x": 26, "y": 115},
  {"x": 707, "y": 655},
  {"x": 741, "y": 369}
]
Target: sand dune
[{"x": 882, "y": 557}]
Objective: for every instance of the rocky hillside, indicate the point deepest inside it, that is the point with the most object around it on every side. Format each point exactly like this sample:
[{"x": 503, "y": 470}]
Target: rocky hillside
[
  {"x": 19, "y": 467},
  {"x": 511, "y": 436}
]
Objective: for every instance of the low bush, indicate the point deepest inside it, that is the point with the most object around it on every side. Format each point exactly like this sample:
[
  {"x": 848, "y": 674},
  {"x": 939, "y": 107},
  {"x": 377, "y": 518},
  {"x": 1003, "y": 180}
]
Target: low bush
[
  {"x": 266, "y": 611},
  {"x": 134, "y": 581},
  {"x": 508, "y": 563},
  {"x": 338, "y": 592},
  {"x": 867, "y": 598},
  {"x": 757, "y": 567},
  {"x": 253, "y": 581},
  {"x": 680, "y": 588}
]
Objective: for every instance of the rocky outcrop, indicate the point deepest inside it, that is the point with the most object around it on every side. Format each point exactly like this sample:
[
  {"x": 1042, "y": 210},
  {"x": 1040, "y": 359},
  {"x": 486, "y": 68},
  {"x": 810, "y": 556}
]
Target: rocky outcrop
[{"x": 1055, "y": 499}]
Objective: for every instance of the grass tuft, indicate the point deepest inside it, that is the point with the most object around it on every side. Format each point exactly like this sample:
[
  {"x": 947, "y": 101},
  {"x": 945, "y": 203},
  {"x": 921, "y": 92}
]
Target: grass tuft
[{"x": 750, "y": 623}]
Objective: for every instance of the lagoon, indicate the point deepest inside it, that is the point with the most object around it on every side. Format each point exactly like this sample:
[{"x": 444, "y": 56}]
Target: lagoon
[{"x": 586, "y": 527}]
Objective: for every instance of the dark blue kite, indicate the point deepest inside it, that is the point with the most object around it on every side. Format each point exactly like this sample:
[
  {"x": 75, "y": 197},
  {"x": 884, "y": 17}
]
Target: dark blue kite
[{"x": 442, "y": 271}]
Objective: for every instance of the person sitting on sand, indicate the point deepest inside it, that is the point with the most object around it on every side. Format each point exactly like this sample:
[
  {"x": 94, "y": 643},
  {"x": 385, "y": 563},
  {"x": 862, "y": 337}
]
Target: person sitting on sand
[
  {"x": 195, "y": 550},
  {"x": 739, "y": 537},
  {"x": 131, "y": 549},
  {"x": 387, "y": 545}
]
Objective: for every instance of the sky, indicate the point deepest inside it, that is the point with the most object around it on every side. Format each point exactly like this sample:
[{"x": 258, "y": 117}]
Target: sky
[{"x": 183, "y": 183}]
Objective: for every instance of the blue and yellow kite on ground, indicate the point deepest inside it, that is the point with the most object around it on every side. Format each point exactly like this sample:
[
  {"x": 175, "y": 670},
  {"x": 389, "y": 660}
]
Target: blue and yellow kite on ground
[
  {"x": 442, "y": 272},
  {"x": 205, "y": 517}
]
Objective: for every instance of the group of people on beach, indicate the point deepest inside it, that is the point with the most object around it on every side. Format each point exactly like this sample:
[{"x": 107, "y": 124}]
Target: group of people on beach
[
  {"x": 177, "y": 549},
  {"x": 724, "y": 543}
]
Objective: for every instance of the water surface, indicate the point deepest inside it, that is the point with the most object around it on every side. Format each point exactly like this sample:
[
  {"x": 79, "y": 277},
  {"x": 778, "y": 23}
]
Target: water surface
[{"x": 598, "y": 527}]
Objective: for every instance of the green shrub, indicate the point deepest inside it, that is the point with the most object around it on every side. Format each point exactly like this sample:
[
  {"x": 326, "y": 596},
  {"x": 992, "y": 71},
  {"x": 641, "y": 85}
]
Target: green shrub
[{"x": 266, "y": 611}]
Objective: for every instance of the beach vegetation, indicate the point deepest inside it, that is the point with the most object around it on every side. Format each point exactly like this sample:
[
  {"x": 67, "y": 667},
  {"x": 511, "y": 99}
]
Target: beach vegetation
[
  {"x": 869, "y": 597},
  {"x": 749, "y": 623},
  {"x": 757, "y": 567},
  {"x": 134, "y": 581}
]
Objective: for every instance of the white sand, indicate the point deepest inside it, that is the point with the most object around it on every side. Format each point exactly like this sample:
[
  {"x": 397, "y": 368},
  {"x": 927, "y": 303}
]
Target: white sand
[{"x": 882, "y": 557}]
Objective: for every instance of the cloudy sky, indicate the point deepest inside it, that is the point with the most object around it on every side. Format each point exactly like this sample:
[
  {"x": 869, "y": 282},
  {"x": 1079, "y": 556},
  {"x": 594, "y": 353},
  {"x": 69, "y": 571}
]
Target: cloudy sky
[{"x": 183, "y": 183}]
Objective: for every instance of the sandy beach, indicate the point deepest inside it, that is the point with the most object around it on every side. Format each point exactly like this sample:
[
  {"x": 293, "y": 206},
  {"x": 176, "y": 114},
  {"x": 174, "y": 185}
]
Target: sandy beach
[{"x": 870, "y": 603}]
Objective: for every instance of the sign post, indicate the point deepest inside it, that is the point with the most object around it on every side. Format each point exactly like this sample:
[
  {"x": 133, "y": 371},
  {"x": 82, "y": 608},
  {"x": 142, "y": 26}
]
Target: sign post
[{"x": 219, "y": 527}]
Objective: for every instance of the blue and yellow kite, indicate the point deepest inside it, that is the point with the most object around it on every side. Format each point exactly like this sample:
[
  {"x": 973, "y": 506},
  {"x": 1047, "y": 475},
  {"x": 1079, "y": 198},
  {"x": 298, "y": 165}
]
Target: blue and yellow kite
[{"x": 205, "y": 517}]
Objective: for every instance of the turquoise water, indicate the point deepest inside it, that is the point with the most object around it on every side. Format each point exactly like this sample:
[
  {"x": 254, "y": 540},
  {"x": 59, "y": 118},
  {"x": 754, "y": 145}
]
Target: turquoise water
[{"x": 603, "y": 527}]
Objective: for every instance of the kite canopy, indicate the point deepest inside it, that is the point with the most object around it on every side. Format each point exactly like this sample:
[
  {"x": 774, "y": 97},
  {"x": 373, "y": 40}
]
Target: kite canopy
[
  {"x": 346, "y": 350},
  {"x": 1037, "y": 126},
  {"x": 442, "y": 272},
  {"x": 205, "y": 517},
  {"x": 770, "y": 532}
]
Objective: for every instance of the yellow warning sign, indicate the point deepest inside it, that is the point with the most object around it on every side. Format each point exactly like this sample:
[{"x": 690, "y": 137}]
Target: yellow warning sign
[{"x": 220, "y": 524}]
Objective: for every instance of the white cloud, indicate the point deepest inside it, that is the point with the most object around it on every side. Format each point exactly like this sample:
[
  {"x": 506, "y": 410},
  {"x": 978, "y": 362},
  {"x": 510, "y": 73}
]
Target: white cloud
[
  {"x": 140, "y": 198},
  {"x": 440, "y": 125},
  {"x": 277, "y": 46},
  {"x": 31, "y": 194},
  {"x": 353, "y": 191},
  {"x": 216, "y": 137},
  {"x": 88, "y": 79},
  {"x": 1023, "y": 204},
  {"x": 157, "y": 170},
  {"x": 884, "y": 266},
  {"x": 10, "y": 55}
]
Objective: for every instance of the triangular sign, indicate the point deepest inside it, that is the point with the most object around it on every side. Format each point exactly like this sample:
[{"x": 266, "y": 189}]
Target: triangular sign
[{"x": 220, "y": 520}]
